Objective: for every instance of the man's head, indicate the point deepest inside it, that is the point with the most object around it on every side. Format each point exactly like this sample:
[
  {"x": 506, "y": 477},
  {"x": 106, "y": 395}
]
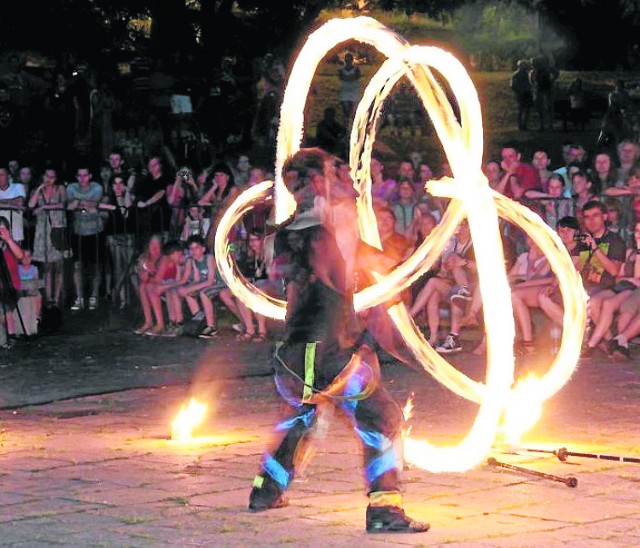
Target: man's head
[
  {"x": 196, "y": 246},
  {"x": 4, "y": 177},
  {"x": 628, "y": 152},
  {"x": 510, "y": 156},
  {"x": 594, "y": 217},
  {"x": 83, "y": 175}
]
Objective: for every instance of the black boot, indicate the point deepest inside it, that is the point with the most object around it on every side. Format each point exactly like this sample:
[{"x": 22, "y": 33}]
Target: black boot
[
  {"x": 392, "y": 519},
  {"x": 266, "y": 494}
]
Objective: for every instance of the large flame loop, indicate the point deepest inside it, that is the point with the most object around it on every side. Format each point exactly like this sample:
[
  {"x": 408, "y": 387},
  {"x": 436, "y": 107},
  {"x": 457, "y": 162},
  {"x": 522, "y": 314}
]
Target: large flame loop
[{"x": 471, "y": 197}]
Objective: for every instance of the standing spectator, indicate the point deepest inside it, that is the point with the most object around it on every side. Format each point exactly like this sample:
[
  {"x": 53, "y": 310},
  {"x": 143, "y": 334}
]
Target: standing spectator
[
  {"x": 120, "y": 238},
  {"x": 349, "y": 92},
  {"x": 49, "y": 202},
  {"x": 12, "y": 198},
  {"x": 84, "y": 198},
  {"x": 578, "y": 112},
  {"x": 152, "y": 205},
  {"x": 183, "y": 192},
  {"x": 331, "y": 135},
  {"x": 102, "y": 104},
  {"x": 221, "y": 193},
  {"x": 543, "y": 76},
  {"x": 521, "y": 86}
]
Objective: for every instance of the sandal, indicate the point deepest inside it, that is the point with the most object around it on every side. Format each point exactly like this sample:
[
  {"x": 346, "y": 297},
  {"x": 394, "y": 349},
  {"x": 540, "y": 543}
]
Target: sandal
[
  {"x": 141, "y": 330},
  {"x": 260, "y": 338},
  {"x": 246, "y": 336}
]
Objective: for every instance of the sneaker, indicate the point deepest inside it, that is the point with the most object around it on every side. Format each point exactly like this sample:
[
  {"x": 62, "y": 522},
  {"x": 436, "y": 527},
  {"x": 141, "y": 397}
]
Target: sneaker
[
  {"x": 238, "y": 327},
  {"x": 267, "y": 496},
  {"x": 392, "y": 519},
  {"x": 619, "y": 352},
  {"x": 93, "y": 303},
  {"x": 449, "y": 345},
  {"x": 462, "y": 294},
  {"x": 209, "y": 332},
  {"x": 198, "y": 316},
  {"x": 78, "y": 304}
]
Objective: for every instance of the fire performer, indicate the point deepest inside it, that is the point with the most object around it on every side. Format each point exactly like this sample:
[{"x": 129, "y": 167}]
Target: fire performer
[{"x": 328, "y": 354}]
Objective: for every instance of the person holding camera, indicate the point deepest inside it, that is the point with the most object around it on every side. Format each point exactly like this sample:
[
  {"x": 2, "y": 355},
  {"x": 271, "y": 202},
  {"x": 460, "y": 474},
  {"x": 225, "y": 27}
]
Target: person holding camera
[
  {"x": 601, "y": 259},
  {"x": 183, "y": 192}
]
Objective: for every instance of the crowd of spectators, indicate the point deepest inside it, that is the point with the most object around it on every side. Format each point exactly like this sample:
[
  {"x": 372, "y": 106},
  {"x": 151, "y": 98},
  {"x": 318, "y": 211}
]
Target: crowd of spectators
[{"x": 102, "y": 221}]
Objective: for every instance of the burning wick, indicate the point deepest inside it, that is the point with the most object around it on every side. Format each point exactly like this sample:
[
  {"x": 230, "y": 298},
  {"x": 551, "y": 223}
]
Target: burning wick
[
  {"x": 407, "y": 413},
  {"x": 189, "y": 416}
]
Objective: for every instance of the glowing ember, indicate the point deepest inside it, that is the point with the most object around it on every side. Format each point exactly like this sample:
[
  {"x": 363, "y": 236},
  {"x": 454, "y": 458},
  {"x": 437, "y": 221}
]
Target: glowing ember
[
  {"x": 471, "y": 197},
  {"x": 188, "y": 418}
]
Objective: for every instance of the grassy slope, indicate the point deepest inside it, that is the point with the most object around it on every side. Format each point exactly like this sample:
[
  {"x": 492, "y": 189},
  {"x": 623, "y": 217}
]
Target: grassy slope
[{"x": 498, "y": 106}]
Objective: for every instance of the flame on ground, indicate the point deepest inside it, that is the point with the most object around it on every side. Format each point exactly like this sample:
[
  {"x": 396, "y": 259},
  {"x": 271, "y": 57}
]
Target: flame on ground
[{"x": 190, "y": 416}]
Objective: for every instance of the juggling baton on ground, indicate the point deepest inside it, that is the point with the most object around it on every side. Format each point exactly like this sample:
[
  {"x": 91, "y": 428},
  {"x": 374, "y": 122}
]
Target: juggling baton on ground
[
  {"x": 563, "y": 454},
  {"x": 569, "y": 481}
]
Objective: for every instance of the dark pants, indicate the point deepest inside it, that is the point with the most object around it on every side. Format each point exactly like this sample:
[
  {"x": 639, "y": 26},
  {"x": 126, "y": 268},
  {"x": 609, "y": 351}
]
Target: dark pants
[{"x": 376, "y": 418}]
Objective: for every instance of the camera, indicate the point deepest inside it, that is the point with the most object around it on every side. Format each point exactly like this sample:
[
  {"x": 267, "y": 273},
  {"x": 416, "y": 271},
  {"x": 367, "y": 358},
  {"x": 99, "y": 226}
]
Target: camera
[{"x": 580, "y": 237}]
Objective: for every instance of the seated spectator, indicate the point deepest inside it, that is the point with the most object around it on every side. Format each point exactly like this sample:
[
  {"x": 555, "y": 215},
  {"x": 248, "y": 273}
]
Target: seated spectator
[
  {"x": 451, "y": 282},
  {"x": 164, "y": 286},
  {"x": 583, "y": 191},
  {"x": 30, "y": 287},
  {"x": 383, "y": 189},
  {"x": 615, "y": 218},
  {"x": 146, "y": 270},
  {"x": 9, "y": 281},
  {"x": 267, "y": 273},
  {"x": 528, "y": 275},
  {"x": 197, "y": 278},
  {"x": 558, "y": 206},
  {"x": 606, "y": 174},
  {"x": 610, "y": 301}
]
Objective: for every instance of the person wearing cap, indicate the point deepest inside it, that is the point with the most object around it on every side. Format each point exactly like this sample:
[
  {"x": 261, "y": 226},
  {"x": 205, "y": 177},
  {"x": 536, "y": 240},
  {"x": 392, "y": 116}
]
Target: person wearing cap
[{"x": 327, "y": 357}]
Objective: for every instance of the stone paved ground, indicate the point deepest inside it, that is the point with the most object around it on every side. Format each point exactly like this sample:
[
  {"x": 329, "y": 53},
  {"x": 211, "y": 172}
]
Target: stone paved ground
[{"x": 86, "y": 460}]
